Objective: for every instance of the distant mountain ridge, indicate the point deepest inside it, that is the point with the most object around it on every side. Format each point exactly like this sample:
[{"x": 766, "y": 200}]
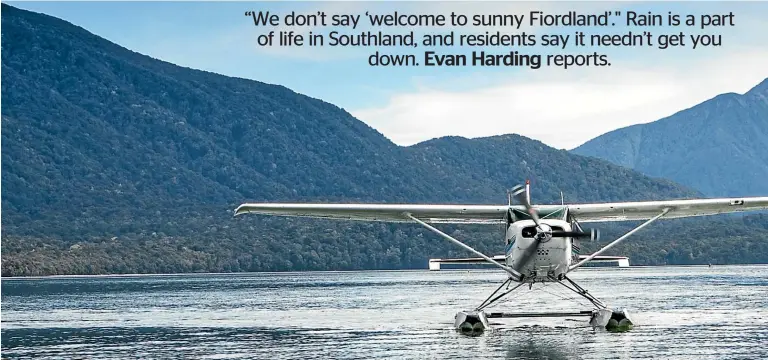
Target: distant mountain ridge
[
  {"x": 114, "y": 162},
  {"x": 719, "y": 147}
]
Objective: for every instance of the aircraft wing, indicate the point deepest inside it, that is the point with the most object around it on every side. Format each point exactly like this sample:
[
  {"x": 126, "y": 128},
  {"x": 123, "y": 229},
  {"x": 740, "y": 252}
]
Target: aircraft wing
[
  {"x": 643, "y": 210},
  {"x": 495, "y": 214},
  {"x": 467, "y": 214}
]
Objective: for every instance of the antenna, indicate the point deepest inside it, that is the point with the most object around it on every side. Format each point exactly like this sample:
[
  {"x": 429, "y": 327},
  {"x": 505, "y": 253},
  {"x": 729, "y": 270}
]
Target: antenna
[
  {"x": 509, "y": 197},
  {"x": 562, "y": 198}
]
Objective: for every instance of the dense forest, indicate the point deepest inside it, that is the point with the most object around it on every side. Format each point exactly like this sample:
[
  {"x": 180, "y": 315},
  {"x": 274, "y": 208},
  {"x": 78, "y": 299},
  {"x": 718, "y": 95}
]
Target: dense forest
[
  {"x": 114, "y": 162},
  {"x": 268, "y": 244}
]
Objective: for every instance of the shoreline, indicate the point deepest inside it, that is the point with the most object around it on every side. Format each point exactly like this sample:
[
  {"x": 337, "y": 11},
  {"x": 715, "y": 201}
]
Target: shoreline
[{"x": 600, "y": 268}]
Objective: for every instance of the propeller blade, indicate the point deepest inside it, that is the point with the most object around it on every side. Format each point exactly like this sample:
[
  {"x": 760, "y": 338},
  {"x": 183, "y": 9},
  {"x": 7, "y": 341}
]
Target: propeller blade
[
  {"x": 521, "y": 197},
  {"x": 593, "y": 234},
  {"x": 519, "y": 194}
]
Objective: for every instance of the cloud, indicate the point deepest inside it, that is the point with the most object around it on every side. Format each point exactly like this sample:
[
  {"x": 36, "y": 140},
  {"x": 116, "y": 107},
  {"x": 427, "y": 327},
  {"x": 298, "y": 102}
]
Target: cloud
[
  {"x": 564, "y": 108},
  {"x": 561, "y": 108}
]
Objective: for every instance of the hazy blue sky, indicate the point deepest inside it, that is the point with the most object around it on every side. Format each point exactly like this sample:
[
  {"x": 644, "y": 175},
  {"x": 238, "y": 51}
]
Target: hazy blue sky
[{"x": 562, "y": 108}]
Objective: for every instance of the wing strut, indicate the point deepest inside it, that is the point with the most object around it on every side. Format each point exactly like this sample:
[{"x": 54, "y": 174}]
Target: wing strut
[
  {"x": 606, "y": 247},
  {"x": 515, "y": 275}
]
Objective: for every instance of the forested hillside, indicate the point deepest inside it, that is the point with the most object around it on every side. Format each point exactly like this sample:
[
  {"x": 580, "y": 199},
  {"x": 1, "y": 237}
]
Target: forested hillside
[{"x": 114, "y": 162}]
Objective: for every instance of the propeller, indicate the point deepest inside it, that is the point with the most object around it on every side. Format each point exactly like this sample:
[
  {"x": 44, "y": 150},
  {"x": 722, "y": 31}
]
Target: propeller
[
  {"x": 521, "y": 195},
  {"x": 593, "y": 234},
  {"x": 543, "y": 232}
]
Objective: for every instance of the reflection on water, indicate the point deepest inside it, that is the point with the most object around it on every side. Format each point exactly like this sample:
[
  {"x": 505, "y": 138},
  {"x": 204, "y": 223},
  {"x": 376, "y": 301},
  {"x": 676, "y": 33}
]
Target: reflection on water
[{"x": 681, "y": 313}]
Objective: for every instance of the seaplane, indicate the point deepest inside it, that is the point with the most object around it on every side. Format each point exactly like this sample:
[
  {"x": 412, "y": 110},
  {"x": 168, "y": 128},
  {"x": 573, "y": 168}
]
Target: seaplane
[{"x": 541, "y": 242}]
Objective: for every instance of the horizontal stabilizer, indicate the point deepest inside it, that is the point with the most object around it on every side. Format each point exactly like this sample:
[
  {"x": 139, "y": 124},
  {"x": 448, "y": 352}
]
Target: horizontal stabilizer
[
  {"x": 434, "y": 264},
  {"x": 623, "y": 261}
]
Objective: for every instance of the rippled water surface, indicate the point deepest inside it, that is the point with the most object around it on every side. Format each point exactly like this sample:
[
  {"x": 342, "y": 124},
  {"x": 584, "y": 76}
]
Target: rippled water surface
[{"x": 681, "y": 313}]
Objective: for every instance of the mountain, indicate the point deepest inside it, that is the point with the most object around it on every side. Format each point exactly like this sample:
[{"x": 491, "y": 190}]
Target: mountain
[
  {"x": 505, "y": 157},
  {"x": 717, "y": 147},
  {"x": 114, "y": 162}
]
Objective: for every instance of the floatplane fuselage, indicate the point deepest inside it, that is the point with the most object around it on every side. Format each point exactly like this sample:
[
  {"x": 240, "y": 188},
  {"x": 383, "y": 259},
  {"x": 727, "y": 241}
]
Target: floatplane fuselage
[{"x": 543, "y": 260}]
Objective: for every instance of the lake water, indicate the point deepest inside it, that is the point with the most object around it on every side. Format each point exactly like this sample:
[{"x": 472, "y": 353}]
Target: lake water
[{"x": 680, "y": 312}]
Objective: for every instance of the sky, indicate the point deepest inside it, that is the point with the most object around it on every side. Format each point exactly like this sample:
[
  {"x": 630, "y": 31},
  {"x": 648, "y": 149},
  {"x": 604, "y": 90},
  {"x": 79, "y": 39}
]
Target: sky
[{"x": 561, "y": 107}]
